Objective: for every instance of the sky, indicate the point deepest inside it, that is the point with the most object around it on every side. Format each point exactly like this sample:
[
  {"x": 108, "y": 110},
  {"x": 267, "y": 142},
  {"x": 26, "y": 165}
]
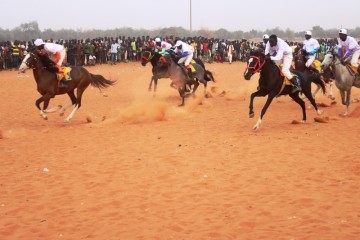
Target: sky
[{"x": 232, "y": 15}]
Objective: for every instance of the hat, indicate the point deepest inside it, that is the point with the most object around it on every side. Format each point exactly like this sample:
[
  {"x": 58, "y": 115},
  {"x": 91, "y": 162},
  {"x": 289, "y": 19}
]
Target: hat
[
  {"x": 39, "y": 42},
  {"x": 265, "y": 36},
  {"x": 308, "y": 33},
  {"x": 343, "y": 31},
  {"x": 178, "y": 43},
  {"x": 157, "y": 39}
]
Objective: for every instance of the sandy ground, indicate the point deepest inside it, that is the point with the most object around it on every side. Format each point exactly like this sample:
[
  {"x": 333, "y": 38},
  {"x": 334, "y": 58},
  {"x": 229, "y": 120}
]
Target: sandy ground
[{"x": 134, "y": 166}]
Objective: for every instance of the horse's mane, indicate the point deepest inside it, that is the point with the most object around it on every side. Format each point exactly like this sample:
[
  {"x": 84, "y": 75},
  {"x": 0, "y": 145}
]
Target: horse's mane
[{"x": 49, "y": 64}]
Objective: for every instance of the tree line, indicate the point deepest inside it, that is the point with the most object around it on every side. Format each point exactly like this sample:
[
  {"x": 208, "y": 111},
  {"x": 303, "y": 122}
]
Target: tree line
[{"x": 29, "y": 31}]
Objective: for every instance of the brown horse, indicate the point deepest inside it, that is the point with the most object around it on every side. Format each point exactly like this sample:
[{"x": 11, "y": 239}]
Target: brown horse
[{"x": 47, "y": 84}]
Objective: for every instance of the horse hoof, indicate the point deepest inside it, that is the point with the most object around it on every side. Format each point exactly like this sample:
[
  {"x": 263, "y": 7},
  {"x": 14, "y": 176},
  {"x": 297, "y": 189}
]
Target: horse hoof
[
  {"x": 61, "y": 114},
  {"x": 251, "y": 115}
]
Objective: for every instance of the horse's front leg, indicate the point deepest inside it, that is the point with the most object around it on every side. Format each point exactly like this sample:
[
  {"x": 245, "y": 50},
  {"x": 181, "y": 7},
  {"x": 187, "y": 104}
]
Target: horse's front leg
[
  {"x": 151, "y": 81},
  {"x": 251, "y": 105},
  {"x": 263, "y": 111},
  {"x": 331, "y": 92},
  {"x": 345, "y": 100},
  {"x": 46, "y": 99},
  {"x": 182, "y": 95}
]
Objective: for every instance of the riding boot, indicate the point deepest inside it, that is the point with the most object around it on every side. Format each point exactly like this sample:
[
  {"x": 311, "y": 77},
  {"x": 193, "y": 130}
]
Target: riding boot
[
  {"x": 63, "y": 83},
  {"x": 296, "y": 84}
]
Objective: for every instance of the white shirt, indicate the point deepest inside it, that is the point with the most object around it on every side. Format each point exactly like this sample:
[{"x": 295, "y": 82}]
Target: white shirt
[
  {"x": 281, "y": 49},
  {"x": 185, "y": 47},
  {"x": 114, "y": 47},
  {"x": 350, "y": 44},
  {"x": 53, "y": 47},
  {"x": 310, "y": 45}
]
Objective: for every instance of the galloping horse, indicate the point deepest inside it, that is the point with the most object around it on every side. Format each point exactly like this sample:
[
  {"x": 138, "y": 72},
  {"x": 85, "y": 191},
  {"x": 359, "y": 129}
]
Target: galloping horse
[
  {"x": 344, "y": 80},
  {"x": 47, "y": 84},
  {"x": 179, "y": 75},
  {"x": 271, "y": 83},
  {"x": 299, "y": 65},
  {"x": 161, "y": 70}
]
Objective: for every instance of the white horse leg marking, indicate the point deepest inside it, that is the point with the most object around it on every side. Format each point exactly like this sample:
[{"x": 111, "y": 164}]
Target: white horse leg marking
[
  {"x": 43, "y": 115},
  {"x": 319, "y": 112},
  {"x": 54, "y": 109},
  {"x": 257, "y": 125},
  {"x": 72, "y": 113},
  {"x": 63, "y": 109}
]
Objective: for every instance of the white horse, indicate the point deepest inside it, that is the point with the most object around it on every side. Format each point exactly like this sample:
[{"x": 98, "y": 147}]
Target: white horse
[{"x": 344, "y": 80}]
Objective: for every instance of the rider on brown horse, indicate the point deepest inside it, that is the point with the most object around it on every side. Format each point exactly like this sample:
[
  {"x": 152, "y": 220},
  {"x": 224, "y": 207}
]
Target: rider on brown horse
[{"x": 59, "y": 52}]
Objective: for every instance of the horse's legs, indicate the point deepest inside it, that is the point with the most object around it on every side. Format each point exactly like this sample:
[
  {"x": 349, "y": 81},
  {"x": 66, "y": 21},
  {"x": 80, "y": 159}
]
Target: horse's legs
[
  {"x": 298, "y": 100},
  {"x": 251, "y": 106},
  {"x": 263, "y": 111},
  {"x": 73, "y": 101},
  {"x": 331, "y": 92},
  {"x": 344, "y": 101},
  {"x": 312, "y": 101},
  {"x": 151, "y": 81},
  {"x": 196, "y": 85},
  {"x": 46, "y": 99},
  {"x": 182, "y": 94}
]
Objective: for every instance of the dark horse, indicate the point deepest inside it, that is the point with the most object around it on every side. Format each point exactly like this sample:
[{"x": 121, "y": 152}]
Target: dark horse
[
  {"x": 326, "y": 75},
  {"x": 162, "y": 70},
  {"x": 271, "y": 83},
  {"x": 47, "y": 84}
]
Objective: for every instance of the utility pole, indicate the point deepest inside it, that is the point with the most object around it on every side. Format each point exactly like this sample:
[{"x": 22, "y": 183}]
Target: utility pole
[{"x": 190, "y": 18}]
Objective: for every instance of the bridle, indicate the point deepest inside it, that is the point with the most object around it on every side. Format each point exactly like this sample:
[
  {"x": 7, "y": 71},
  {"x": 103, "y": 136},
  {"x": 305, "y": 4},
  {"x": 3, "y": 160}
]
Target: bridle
[
  {"x": 258, "y": 65},
  {"x": 36, "y": 60},
  {"x": 149, "y": 58}
]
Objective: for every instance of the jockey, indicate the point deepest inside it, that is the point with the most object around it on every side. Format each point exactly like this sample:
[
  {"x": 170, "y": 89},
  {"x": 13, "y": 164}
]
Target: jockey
[
  {"x": 265, "y": 40},
  {"x": 59, "y": 52},
  {"x": 186, "y": 53},
  {"x": 310, "y": 48},
  {"x": 161, "y": 46},
  {"x": 352, "y": 49},
  {"x": 280, "y": 52}
]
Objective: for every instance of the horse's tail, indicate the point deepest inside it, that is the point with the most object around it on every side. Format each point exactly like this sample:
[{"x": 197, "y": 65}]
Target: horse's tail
[
  {"x": 317, "y": 80},
  {"x": 100, "y": 82},
  {"x": 208, "y": 76}
]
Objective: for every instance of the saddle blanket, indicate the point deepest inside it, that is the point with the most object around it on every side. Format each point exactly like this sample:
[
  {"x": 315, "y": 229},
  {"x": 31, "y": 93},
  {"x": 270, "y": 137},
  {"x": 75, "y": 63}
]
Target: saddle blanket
[{"x": 66, "y": 74}]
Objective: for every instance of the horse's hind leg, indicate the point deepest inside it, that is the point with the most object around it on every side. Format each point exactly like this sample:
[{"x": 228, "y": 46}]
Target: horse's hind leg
[
  {"x": 312, "y": 101},
  {"x": 298, "y": 100},
  {"x": 73, "y": 101}
]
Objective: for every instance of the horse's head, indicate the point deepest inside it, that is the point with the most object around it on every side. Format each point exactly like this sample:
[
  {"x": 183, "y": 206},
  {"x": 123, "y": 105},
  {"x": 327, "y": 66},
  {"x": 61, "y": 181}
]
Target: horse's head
[
  {"x": 29, "y": 61},
  {"x": 147, "y": 55},
  {"x": 254, "y": 64},
  {"x": 329, "y": 58}
]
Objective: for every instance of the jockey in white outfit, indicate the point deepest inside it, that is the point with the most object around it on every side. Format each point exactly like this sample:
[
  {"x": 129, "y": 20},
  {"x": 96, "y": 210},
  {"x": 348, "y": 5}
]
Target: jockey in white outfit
[
  {"x": 186, "y": 53},
  {"x": 351, "y": 47},
  {"x": 59, "y": 52},
  {"x": 310, "y": 48},
  {"x": 281, "y": 52}
]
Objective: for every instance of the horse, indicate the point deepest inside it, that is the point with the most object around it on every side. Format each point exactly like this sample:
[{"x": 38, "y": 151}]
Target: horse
[
  {"x": 344, "y": 80},
  {"x": 161, "y": 70},
  {"x": 271, "y": 83},
  {"x": 180, "y": 77},
  {"x": 299, "y": 65},
  {"x": 44, "y": 71}
]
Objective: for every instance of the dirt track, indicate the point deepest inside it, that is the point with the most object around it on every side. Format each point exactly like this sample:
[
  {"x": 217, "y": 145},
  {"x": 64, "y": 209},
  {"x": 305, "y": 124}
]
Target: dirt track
[{"x": 144, "y": 168}]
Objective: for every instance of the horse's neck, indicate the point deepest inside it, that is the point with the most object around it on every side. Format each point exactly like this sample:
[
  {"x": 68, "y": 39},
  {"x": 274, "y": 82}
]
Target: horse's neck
[{"x": 155, "y": 59}]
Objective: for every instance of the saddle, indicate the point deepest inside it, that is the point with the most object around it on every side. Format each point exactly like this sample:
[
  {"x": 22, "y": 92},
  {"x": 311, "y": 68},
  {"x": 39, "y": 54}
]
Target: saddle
[
  {"x": 286, "y": 80},
  {"x": 65, "y": 74},
  {"x": 317, "y": 65},
  {"x": 352, "y": 70}
]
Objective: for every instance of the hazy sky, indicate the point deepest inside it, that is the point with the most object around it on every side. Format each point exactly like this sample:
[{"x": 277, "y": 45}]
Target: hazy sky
[{"x": 297, "y": 15}]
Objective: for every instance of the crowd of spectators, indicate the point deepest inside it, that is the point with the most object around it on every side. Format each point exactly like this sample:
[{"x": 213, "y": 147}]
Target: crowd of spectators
[{"x": 112, "y": 50}]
